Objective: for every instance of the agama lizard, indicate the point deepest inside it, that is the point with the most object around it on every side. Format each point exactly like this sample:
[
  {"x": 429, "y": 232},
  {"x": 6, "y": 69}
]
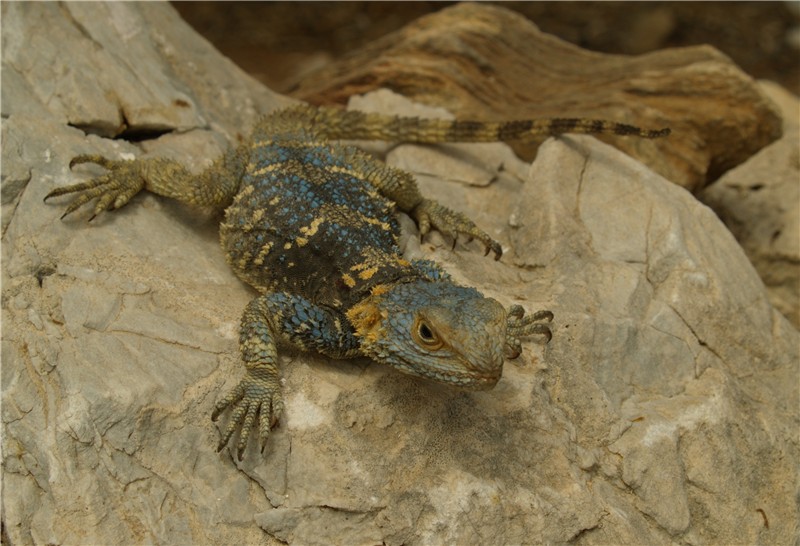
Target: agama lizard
[{"x": 310, "y": 224}]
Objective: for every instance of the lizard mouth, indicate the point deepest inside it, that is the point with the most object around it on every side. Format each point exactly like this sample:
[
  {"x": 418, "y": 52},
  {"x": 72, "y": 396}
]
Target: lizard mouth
[
  {"x": 481, "y": 383},
  {"x": 469, "y": 380}
]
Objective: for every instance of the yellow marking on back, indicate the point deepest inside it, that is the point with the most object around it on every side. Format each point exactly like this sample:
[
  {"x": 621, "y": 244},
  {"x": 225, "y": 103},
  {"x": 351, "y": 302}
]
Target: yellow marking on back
[
  {"x": 243, "y": 260},
  {"x": 344, "y": 170},
  {"x": 263, "y": 143},
  {"x": 302, "y": 143},
  {"x": 309, "y": 230},
  {"x": 262, "y": 254},
  {"x": 375, "y": 222},
  {"x": 269, "y": 168},
  {"x": 349, "y": 281},
  {"x": 368, "y": 273},
  {"x": 312, "y": 228},
  {"x": 379, "y": 289}
]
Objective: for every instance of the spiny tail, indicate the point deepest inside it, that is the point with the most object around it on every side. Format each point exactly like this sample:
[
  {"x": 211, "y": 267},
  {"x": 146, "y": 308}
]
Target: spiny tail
[{"x": 332, "y": 123}]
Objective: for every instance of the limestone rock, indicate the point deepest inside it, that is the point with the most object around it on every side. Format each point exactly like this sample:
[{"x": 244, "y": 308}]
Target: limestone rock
[
  {"x": 759, "y": 201},
  {"x": 107, "y": 347},
  {"x": 665, "y": 408},
  {"x": 486, "y": 62},
  {"x": 112, "y": 71}
]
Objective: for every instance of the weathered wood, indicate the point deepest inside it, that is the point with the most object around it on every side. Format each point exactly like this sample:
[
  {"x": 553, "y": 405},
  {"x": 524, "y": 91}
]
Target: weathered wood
[{"x": 487, "y": 62}]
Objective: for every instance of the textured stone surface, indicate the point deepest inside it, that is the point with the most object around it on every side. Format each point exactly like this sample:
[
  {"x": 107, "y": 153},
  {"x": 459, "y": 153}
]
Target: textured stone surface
[
  {"x": 107, "y": 348},
  {"x": 486, "y": 62},
  {"x": 665, "y": 409},
  {"x": 759, "y": 201}
]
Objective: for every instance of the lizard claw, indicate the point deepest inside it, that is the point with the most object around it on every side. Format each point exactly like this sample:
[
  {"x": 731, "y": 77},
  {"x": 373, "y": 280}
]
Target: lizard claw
[
  {"x": 253, "y": 401},
  {"x": 430, "y": 214},
  {"x": 112, "y": 190},
  {"x": 519, "y": 325}
]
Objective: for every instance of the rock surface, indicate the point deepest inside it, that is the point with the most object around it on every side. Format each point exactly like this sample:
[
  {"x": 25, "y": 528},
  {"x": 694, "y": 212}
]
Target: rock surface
[
  {"x": 665, "y": 409},
  {"x": 759, "y": 201},
  {"x": 486, "y": 62}
]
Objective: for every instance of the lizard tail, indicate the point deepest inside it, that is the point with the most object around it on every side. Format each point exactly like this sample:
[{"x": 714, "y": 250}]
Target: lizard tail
[{"x": 334, "y": 123}]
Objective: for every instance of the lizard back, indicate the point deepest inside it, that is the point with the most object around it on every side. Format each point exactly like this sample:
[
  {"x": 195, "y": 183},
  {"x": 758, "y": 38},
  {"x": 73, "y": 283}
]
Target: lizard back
[{"x": 306, "y": 221}]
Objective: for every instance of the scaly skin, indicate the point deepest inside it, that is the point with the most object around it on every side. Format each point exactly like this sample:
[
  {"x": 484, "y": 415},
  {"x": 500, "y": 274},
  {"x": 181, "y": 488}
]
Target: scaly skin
[{"x": 311, "y": 226}]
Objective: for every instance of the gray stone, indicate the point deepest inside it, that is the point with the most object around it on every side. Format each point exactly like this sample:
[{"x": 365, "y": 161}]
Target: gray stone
[
  {"x": 759, "y": 201},
  {"x": 665, "y": 409}
]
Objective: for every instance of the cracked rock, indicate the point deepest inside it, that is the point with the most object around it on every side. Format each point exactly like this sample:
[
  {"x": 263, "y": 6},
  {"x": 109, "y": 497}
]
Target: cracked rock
[
  {"x": 665, "y": 408},
  {"x": 759, "y": 201}
]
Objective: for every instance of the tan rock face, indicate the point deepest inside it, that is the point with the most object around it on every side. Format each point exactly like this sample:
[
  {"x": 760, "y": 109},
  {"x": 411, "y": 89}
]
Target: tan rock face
[
  {"x": 487, "y": 62},
  {"x": 759, "y": 201},
  {"x": 665, "y": 408}
]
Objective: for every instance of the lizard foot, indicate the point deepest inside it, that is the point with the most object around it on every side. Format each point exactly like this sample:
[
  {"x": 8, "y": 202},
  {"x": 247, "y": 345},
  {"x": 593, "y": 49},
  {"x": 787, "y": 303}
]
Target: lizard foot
[
  {"x": 430, "y": 214},
  {"x": 112, "y": 190},
  {"x": 519, "y": 325},
  {"x": 256, "y": 398}
]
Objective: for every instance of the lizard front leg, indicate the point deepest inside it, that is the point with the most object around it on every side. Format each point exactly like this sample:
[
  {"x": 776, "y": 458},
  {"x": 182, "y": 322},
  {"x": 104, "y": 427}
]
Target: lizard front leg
[
  {"x": 518, "y": 325},
  {"x": 215, "y": 186},
  {"x": 267, "y": 321}
]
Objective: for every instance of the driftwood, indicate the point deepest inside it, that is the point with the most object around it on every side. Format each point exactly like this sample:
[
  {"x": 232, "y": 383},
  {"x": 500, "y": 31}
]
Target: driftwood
[{"x": 487, "y": 62}]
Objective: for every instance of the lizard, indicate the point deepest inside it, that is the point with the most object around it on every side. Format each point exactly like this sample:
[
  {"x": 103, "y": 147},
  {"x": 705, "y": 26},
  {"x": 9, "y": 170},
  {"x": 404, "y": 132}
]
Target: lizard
[{"x": 310, "y": 224}]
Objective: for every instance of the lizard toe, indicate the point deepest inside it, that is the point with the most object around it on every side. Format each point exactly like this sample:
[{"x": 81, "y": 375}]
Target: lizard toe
[
  {"x": 520, "y": 325},
  {"x": 247, "y": 423},
  {"x": 430, "y": 214},
  {"x": 236, "y": 417},
  {"x": 254, "y": 404},
  {"x": 111, "y": 190}
]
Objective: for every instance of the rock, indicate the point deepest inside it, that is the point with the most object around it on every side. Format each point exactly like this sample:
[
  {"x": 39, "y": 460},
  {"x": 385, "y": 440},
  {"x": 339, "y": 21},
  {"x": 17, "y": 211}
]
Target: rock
[
  {"x": 107, "y": 347},
  {"x": 486, "y": 62},
  {"x": 759, "y": 201},
  {"x": 665, "y": 408}
]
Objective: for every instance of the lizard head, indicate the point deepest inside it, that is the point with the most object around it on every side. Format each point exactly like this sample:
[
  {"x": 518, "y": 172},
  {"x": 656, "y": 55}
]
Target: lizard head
[{"x": 436, "y": 330}]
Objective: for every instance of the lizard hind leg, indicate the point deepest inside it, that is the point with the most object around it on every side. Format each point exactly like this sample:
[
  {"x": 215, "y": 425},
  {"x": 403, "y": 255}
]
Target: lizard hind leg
[
  {"x": 430, "y": 214},
  {"x": 401, "y": 187}
]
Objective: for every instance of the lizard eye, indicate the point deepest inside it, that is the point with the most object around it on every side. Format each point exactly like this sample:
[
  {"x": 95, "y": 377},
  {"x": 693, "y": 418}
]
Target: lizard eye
[{"x": 425, "y": 335}]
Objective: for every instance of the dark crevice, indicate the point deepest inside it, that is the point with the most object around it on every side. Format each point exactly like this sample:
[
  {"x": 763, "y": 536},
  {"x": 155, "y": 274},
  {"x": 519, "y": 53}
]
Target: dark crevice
[
  {"x": 130, "y": 134},
  {"x": 42, "y": 272},
  {"x": 139, "y": 134}
]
